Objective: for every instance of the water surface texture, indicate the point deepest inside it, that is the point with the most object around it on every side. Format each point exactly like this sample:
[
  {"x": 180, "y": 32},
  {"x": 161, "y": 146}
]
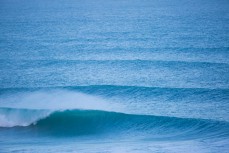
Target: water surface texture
[{"x": 136, "y": 76}]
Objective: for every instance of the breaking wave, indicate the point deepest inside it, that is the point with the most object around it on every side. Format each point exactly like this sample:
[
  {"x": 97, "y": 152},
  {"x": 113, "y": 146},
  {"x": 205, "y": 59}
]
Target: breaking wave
[{"x": 88, "y": 122}]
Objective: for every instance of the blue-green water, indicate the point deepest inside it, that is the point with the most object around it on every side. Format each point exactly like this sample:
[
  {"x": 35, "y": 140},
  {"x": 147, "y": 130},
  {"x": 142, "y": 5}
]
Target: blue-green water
[{"x": 114, "y": 76}]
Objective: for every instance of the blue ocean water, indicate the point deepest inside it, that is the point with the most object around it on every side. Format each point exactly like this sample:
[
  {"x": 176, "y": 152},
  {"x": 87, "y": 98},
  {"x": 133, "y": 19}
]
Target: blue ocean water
[{"x": 114, "y": 76}]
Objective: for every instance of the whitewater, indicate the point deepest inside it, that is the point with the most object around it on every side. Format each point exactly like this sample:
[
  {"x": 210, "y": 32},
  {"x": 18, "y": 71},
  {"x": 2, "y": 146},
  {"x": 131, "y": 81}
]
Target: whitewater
[{"x": 114, "y": 76}]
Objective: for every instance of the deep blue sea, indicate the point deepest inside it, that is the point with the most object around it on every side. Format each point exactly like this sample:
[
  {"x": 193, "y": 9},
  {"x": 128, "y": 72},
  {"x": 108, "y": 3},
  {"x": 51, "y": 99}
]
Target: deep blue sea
[{"x": 114, "y": 76}]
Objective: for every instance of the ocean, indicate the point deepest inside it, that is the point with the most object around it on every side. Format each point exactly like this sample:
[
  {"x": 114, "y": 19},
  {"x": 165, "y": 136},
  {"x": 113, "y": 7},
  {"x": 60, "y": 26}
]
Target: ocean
[{"x": 114, "y": 76}]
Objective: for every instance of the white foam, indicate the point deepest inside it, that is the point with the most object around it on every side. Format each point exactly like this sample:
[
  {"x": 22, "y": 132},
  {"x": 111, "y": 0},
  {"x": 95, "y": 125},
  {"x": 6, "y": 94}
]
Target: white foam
[
  {"x": 57, "y": 100},
  {"x": 21, "y": 117}
]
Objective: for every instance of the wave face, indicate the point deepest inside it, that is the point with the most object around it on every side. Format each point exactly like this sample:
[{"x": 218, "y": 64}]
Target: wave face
[{"x": 87, "y": 121}]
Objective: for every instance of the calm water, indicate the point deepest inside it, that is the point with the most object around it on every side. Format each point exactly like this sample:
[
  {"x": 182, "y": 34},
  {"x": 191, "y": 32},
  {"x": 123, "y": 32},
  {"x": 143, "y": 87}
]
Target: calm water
[{"x": 114, "y": 76}]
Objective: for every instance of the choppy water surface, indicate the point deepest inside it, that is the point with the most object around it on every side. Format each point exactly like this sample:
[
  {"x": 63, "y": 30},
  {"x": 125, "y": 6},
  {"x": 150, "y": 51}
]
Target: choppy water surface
[{"x": 114, "y": 76}]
